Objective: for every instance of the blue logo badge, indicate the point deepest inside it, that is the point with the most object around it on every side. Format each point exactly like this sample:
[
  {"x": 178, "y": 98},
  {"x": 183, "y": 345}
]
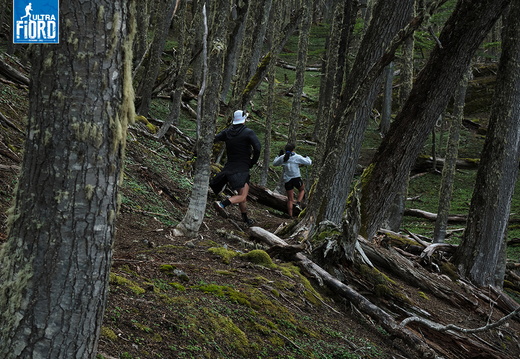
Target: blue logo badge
[{"x": 36, "y": 21}]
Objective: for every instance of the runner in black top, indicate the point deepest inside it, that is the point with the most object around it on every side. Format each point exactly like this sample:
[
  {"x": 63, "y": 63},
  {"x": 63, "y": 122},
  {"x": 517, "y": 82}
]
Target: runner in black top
[{"x": 243, "y": 151}]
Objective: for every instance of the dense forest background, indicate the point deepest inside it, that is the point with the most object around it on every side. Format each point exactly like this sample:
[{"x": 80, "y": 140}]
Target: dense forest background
[{"x": 409, "y": 111}]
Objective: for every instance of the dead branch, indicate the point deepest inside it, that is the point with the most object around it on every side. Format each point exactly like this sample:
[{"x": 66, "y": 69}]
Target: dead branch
[
  {"x": 432, "y": 248},
  {"x": 13, "y": 168},
  {"x": 444, "y": 328},
  {"x": 9, "y": 123},
  {"x": 12, "y": 74},
  {"x": 285, "y": 65}
]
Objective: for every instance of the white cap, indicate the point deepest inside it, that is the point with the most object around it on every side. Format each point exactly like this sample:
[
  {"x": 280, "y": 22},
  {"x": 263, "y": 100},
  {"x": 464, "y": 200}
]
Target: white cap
[{"x": 239, "y": 117}]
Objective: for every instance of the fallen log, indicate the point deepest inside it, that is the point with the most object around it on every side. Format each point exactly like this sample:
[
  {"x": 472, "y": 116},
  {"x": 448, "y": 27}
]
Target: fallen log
[
  {"x": 362, "y": 303},
  {"x": 424, "y": 164},
  {"x": 433, "y": 216},
  {"x": 427, "y": 340},
  {"x": 458, "y": 218},
  {"x": 270, "y": 198}
]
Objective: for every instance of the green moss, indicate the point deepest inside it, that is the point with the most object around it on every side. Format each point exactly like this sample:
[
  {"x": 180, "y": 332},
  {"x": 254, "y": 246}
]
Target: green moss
[
  {"x": 121, "y": 281},
  {"x": 224, "y": 272},
  {"x": 225, "y": 291},
  {"x": 222, "y": 328},
  {"x": 142, "y": 327},
  {"x": 381, "y": 290},
  {"x": 157, "y": 338},
  {"x": 260, "y": 257},
  {"x": 375, "y": 276},
  {"x": 166, "y": 268},
  {"x": 258, "y": 281},
  {"x": 423, "y": 295},
  {"x": 450, "y": 270},
  {"x": 226, "y": 254},
  {"x": 178, "y": 286},
  {"x": 327, "y": 234},
  {"x": 108, "y": 333}
]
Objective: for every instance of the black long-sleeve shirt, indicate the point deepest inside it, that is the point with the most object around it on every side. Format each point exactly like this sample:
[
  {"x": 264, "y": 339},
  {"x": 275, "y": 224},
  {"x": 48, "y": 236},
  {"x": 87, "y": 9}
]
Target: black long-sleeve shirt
[{"x": 242, "y": 147}]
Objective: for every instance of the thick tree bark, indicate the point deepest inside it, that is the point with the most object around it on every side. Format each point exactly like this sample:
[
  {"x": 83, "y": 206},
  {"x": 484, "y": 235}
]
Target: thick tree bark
[
  {"x": 56, "y": 262},
  {"x": 432, "y": 91},
  {"x": 386, "y": 112},
  {"x": 481, "y": 256},
  {"x": 406, "y": 65}
]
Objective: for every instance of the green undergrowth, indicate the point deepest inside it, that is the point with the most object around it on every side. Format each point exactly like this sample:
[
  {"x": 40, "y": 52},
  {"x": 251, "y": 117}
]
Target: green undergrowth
[
  {"x": 424, "y": 190},
  {"x": 261, "y": 316}
]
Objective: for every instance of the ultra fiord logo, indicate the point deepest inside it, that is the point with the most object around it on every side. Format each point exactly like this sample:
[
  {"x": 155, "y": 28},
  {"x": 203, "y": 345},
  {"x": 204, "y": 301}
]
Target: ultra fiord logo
[{"x": 36, "y": 21}]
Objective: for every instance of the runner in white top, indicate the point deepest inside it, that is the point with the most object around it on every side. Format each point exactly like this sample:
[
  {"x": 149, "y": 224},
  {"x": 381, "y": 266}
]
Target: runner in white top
[{"x": 291, "y": 162}]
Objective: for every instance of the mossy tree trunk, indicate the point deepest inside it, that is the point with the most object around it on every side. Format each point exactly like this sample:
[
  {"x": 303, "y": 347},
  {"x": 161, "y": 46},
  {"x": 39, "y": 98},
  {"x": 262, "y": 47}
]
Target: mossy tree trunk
[
  {"x": 433, "y": 88},
  {"x": 55, "y": 264},
  {"x": 481, "y": 255},
  {"x": 217, "y": 42}
]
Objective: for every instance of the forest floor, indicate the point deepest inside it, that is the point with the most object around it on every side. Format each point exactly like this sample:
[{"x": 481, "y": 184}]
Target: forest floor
[{"x": 218, "y": 296}]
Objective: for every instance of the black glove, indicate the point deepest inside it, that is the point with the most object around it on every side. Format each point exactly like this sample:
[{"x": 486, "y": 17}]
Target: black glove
[{"x": 281, "y": 153}]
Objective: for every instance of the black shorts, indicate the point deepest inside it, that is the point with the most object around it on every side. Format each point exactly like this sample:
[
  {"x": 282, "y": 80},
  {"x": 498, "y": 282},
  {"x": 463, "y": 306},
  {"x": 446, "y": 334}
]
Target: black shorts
[
  {"x": 294, "y": 183},
  {"x": 238, "y": 180}
]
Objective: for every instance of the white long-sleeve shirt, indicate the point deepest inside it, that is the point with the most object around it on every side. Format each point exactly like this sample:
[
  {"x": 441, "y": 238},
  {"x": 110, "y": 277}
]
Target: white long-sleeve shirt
[{"x": 292, "y": 166}]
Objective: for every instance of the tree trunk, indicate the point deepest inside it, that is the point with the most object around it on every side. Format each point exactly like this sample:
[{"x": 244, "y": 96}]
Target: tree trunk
[
  {"x": 182, "y": 64},
  {"x": 334, "y": 70},
  {"x": 299, "y": 81},
  {"x": 406, "y": 62},
  {"x": 154, "y": 63},
  {"x": 448, "y": 171},
  {"x": 56, "y": 262},
  {"x": 140, "y": 45},
  {"x": 432, "y": 91},
  {"x": 271, "y": 95},
  {"x": 481, "y": 257},
  {"x": 259, "y": 35},
  {"x": 217, "y": 42},
  {"x": 386, "y": 113},
  {"x": 240, "y": 100},
  {"x": 394, "y": 215},
  {"x": 235, "y": 42},
  {"x": 246, "y": 52},
  {"x": 347, "y": 128}
]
